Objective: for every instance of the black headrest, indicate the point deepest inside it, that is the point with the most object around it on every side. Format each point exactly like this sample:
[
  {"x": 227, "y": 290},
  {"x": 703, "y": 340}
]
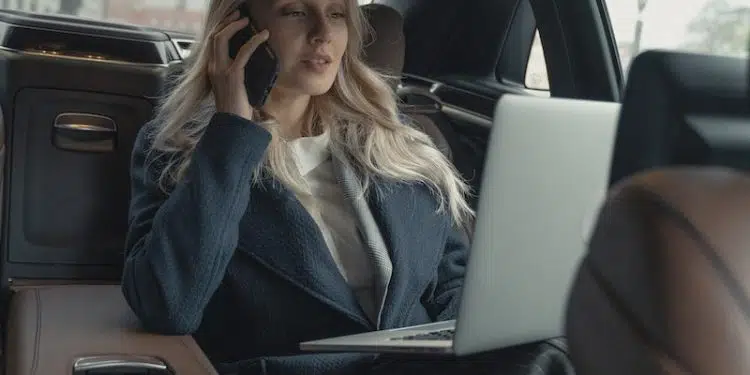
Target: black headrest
[{"x": 683, "y": 109}]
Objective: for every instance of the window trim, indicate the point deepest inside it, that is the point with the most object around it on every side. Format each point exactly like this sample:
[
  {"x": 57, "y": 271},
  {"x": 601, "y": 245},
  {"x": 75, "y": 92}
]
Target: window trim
[
  {"x": 610, "y": 41},
  {"x": 513, "y": 60},
  {"x": 556, "y": 52},
  {"x": 578, "y": 42}
]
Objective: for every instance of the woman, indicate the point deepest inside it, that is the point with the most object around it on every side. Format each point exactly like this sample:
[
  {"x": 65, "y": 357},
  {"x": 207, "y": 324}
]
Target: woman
[{"x": 323, "y": 213}]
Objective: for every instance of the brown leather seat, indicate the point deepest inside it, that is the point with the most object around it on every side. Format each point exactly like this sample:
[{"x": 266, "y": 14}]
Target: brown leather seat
[
  {"x": 665, "y": 286},
  {"x": 67, "y": 329}
]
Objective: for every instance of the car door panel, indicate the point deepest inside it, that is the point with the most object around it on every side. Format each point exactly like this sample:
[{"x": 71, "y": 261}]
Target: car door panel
[{"x": 73, "y": 97}]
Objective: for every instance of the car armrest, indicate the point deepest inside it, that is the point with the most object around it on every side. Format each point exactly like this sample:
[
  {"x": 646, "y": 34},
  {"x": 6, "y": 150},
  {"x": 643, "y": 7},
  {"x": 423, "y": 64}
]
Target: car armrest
[{"x": 90, "y": 330}]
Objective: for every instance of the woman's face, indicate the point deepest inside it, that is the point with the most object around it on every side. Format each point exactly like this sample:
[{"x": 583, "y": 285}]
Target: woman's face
[{"x": 309, "y": 38}]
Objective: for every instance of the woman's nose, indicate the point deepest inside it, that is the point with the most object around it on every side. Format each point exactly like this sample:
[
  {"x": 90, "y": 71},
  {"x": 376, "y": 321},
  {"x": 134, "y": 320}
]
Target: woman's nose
[{"x": 320, "y": 30}]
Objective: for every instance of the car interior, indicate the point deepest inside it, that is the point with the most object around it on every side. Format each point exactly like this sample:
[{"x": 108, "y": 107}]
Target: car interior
[
  {"x": 75, "y": 91},
  {"x": 663, "y": 274}
]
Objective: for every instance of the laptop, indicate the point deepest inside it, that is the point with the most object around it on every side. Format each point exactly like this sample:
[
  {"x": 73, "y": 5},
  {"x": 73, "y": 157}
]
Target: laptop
[{"x": 546, "y": 173}]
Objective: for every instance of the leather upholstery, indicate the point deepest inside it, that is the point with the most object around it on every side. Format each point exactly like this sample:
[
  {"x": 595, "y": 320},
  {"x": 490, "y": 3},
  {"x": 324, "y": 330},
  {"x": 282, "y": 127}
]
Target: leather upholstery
[
  {"x": 49, "y": 327},
  {"x": 665, "y": 287}
]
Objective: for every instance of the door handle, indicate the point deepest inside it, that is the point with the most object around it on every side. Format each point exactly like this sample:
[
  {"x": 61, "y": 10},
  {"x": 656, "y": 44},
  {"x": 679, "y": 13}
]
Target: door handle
[
  {"x": 120, "y": 364},
  {"x": 85, "y": 132}
]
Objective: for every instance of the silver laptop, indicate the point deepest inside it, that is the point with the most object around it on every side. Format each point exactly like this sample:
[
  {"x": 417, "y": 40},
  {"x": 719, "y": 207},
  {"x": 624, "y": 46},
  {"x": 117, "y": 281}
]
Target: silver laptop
[{"x": 546, "y": 173}]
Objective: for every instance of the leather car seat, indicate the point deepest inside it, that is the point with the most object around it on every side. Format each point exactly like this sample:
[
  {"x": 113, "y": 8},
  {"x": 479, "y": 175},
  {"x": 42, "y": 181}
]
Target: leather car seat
[{"x": 665, "y": 285}]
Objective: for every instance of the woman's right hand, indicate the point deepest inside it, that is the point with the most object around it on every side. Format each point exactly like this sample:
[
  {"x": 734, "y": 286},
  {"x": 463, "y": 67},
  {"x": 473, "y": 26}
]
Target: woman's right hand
[{"x": 227, "y": 75}]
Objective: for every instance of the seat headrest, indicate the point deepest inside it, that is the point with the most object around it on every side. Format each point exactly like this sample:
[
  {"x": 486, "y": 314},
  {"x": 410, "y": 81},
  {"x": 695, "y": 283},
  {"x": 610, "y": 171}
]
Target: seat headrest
[
  {"x": 665, "y": 285},
  {"x": 667, "y": 112},
  {"x": 384, "y": 49}
]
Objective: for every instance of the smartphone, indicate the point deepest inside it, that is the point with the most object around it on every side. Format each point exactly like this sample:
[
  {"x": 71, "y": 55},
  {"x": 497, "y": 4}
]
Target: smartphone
[{"x": 262, "y": 69}]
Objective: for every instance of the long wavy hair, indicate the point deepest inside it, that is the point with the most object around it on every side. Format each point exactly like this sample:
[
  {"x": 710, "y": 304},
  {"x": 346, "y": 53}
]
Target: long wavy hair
[{"x": 360, "y": 113}]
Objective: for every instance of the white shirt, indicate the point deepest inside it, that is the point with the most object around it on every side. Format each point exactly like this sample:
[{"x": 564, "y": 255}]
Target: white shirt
[{"x": 335, "y": 216}]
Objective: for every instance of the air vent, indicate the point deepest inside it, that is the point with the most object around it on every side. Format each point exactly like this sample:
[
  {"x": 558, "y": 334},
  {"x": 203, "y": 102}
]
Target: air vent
[
  {"x": 55, "y": 43},
  {"x": 183, "y": 46}
]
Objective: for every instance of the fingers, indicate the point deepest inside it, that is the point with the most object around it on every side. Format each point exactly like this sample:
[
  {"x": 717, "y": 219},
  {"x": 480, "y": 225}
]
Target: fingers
[
  {"x": 211, "y": 43},
  {"x": 247, "y": 50},
  {"x": 226, "y": 21},
  {"x": 220, "y": 41}
]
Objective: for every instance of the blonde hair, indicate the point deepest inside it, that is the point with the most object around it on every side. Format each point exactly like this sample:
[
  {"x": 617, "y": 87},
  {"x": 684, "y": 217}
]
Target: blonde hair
[{"x": 360, "y": 112}]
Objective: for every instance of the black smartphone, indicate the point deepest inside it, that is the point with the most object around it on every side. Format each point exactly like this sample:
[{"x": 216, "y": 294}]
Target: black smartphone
[{"x": 262, "y": 69}]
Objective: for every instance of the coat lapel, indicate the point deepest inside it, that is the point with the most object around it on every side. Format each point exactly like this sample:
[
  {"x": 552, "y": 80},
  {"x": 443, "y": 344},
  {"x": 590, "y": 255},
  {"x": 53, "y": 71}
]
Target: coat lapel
[
  {"x": 402, "y": 232},
  {"x": 298, "y": 253},
  {"x": 372, "y": 239},
  {"x": 405, "y": 214}
]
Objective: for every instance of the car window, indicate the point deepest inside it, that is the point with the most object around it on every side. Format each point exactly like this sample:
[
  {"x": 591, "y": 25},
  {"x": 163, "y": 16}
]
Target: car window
[
  {"x": 536, "y": 69},
  {"x": 716, "y": 27},
  {"x": 175, "y": 15}
]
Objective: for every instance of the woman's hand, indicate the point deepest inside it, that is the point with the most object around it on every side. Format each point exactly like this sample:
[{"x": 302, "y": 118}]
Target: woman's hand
[{"x": 227, "y": 75}]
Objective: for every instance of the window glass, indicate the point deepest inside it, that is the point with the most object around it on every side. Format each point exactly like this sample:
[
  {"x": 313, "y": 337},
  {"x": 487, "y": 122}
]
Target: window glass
[
  {"x": 716, "y": 27},
  {"x": 536, "y": 69},
  {"x": 176, "y": 15}
]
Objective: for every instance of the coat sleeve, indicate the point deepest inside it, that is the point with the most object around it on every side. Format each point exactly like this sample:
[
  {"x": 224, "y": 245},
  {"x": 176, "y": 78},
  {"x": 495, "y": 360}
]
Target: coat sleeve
[
  {"x": 445, "y": 298},
  {"x": 179, "y": 244}
]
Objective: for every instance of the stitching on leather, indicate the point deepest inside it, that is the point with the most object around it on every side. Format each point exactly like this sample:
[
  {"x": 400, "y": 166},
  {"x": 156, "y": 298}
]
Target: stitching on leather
[
  {"x": 632, "y": 321},
  {"x": 38, "y": 333},
  {"x": 664, "y": 208},
  {"x": 197, "y": 357},
  {"x": 725, "y": 274}
]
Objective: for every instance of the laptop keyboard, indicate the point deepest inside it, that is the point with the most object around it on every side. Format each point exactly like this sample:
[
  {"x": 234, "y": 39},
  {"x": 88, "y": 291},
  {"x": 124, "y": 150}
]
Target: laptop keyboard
[{"x": 444, "y": 334}]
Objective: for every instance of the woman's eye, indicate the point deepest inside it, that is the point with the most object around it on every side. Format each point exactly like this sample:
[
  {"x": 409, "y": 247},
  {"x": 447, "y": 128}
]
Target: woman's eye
[
  {"x": 294, "y": 13},
  {"x": 338, "y": 15}
]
